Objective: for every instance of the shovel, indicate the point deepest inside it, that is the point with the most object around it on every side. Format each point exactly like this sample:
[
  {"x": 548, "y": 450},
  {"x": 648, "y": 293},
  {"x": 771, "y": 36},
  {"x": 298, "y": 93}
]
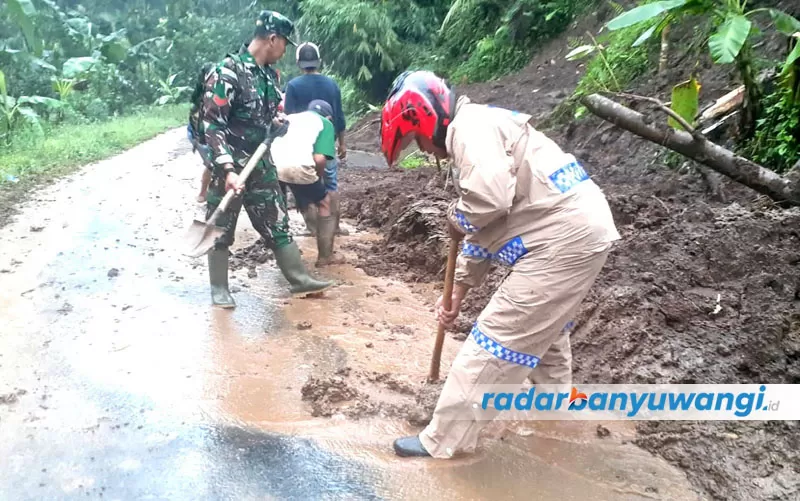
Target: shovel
[
  {"x": 202, "y": 235},
  {"x": 449, "y": 276}
]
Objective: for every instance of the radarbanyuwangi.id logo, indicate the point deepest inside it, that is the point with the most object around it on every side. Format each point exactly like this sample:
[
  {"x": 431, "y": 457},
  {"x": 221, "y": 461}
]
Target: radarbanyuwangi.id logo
[{"x": 779, "y": 402}]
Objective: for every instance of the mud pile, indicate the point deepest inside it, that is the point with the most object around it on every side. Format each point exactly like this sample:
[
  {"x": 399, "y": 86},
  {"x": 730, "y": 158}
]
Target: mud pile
[
  {"x": 409, "y": 208},
  {"x": 363, "y": 394},
  {"x": 251, "y": 256}
]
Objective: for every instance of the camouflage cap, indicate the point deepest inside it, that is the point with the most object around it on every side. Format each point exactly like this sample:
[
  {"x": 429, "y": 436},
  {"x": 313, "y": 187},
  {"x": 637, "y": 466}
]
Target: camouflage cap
[{"x": 269, "y": 21}]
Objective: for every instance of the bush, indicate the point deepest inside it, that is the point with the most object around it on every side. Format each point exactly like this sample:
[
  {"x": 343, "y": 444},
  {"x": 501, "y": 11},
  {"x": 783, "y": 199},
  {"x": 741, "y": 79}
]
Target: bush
[
  {"x": 613, "y": 66},
  {"x": 776, "y": 142},
  {"x": 496, "y": 39},
  {"x": 617, "y": 64},
  {"x": 354, "y": 102},
  {"x": 358, "y": 40}
]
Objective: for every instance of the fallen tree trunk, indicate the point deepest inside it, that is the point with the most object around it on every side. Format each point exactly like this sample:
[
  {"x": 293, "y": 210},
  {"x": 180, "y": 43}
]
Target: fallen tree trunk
[{"x": 697, "y": 148}]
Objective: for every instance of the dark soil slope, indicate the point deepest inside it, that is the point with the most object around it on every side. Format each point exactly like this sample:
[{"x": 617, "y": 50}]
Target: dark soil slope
[{"x": 697, "y": 291}]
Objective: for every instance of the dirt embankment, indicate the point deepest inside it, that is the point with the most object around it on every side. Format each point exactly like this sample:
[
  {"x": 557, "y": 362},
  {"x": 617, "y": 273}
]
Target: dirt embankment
[{"x": 697, "y": 290}]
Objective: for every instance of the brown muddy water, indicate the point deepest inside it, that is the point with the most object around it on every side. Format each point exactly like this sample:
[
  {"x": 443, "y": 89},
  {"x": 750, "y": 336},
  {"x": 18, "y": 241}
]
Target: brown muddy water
[{"x": 118, "y": 380}]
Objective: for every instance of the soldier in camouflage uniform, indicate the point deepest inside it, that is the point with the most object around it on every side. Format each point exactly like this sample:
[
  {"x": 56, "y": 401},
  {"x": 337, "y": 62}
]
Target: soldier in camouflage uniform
[{"x": 240, "y": 103}]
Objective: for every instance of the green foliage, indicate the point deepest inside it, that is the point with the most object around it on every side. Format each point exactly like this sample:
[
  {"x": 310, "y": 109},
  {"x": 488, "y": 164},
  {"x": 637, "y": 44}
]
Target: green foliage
[
  {"x": 685, "y": 102},
  {"x": 104, "y": 58},
  {"x": 613, "y": 64},
  {"x": 65, "y": 147},
  {"x": 616, "y": 62},
  {"x": 16, "y": 112},
  {"x": 413, "y": 161},
  {"x": 172, "y": 94},
  {"x": 730, "y": 39},
  {"x": 776, "y": 142},
  {"x": 467, "y": 23},
  {"x": 789, "y": 77},
  {"x": 727, "y": 42},
  {"x": 355, "y": 102},
  {"x": 358, "y": 40},
  {"x": 493, "y": 56},
  {"x": 643, "y": 13},
  {"x": 496, "y": 38},
  {"x": 101, "y": 59},
  {"x": 22, "y": 12},
  {"x": 416, "y": 22}
]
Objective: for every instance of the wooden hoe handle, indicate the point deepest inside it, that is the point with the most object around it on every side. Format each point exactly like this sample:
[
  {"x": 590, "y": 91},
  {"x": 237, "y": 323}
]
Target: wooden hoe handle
[
  {"x": 251, "y": 164},
  {"x": 449, "y": 276}
]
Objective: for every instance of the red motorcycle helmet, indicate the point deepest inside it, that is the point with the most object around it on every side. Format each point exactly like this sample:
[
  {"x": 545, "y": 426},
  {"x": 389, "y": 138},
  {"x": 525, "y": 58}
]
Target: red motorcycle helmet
[{"x": 419, "y": 102}]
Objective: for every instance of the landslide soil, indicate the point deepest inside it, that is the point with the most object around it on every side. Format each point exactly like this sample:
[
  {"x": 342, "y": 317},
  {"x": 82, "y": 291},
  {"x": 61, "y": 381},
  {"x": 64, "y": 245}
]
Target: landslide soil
[{"x": 699, "y": 290}]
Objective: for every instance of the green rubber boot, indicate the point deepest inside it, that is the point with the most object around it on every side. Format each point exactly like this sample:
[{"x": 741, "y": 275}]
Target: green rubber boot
[
  {"x": 292, "y": 267},
  {"x": 218, "y": 276}
]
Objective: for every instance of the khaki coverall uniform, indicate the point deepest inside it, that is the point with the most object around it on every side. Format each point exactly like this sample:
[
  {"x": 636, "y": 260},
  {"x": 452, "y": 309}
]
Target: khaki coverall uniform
[{"x": 528, "y": 205}]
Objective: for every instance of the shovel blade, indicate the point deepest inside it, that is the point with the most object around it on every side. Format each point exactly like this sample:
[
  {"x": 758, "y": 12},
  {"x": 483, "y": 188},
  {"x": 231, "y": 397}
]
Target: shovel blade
[{"x": 201, "y": 237}]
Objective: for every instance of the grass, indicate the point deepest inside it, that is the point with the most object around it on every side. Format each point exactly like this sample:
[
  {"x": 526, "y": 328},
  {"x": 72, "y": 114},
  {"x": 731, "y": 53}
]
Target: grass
[
  {"x": 62, "y": 148},
  {"x": 413, "y": 161},
  {"x": 33, "y": 158}
]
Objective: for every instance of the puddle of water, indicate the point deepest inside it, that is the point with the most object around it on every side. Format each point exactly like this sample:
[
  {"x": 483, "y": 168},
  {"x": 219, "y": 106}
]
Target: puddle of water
[
  {"x": 134, "y": 387},
  {"x": 360, "y": 159}
]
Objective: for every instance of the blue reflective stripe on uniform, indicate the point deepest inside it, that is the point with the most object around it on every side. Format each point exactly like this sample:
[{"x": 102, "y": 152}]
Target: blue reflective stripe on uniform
[
  {"x": 477, "y": 251},
  {"x": 500, "y": 351},
  {"x": 568, "y": 177},
  {"x": 511, "y": 251},
  {"x": 507, "y": 255},
  {"x": 464, "y": 224}
]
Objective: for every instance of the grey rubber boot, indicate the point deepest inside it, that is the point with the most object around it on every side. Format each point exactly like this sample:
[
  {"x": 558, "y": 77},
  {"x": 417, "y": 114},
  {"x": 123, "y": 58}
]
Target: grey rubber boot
[
  {"x": 218, "y": 277},
  {"x": 291, "y": 264},
  {"x": 310, "y": 216},
  {"x": 326, "y": 234},
  {"x": 336, "y": 210}
]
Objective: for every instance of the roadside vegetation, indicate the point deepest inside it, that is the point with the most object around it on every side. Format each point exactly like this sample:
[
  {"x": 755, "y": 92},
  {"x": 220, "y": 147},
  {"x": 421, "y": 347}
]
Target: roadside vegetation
[{"x": 97, "y": 65}]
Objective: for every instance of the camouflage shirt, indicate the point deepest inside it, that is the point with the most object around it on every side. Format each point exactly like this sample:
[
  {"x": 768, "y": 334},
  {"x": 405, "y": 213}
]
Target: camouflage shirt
[{"x": 240, "y": 101}]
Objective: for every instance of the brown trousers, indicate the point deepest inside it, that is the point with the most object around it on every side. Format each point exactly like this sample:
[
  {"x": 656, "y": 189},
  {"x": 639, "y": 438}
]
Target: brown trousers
[{"x": 523, "y": 332}]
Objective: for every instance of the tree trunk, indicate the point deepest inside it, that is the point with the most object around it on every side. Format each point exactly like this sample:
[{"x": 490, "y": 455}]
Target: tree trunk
[
  {"x": 751, "y": 110},
  {"x": 663, "y": 58},
  {"x": 697, "y": 148}
]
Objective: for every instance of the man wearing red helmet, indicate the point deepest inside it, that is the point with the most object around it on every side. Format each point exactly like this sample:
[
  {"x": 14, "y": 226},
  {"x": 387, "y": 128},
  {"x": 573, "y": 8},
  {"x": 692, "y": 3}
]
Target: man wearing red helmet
[{"x": 523, "y": 203}]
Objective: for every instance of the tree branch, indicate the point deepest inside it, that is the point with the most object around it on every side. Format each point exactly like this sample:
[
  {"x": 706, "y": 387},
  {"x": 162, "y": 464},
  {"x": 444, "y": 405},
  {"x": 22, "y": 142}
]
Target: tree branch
[
  {"x": 669, "y": 111},
  {"x": 706, "y": 152}
]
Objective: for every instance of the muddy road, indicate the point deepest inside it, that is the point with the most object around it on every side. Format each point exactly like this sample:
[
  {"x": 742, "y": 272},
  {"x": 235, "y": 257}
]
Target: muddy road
[{"x": 118, "y": 380}]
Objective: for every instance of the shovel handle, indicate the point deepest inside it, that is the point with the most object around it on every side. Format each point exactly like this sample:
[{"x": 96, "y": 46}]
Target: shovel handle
[
  {"x": 449, "y": 278},
  {"x": 251, "y": 164}
]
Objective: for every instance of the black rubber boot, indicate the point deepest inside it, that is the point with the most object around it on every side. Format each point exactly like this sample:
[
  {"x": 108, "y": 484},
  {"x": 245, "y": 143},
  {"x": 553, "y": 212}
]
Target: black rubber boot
[
  {"x": 218, "y": 277},
  {"x": 410, "y": 447},
  {"x": 291, "y": 264}
]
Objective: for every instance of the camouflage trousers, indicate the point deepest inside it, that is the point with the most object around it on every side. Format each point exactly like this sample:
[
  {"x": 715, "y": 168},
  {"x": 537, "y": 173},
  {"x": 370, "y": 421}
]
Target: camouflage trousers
[{"x": 265, "y": 205}]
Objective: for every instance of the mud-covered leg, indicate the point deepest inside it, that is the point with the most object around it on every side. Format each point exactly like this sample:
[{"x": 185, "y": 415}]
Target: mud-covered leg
[
  {"x": 267, "y": 210},
  {"x": 218, "y": 256}
]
